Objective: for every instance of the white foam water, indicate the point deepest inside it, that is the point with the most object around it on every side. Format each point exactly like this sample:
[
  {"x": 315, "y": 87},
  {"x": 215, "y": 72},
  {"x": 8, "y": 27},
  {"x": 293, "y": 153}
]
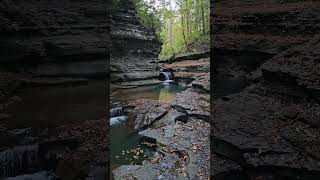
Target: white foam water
[
  {"x": 17, "y": 159},
  {"x": 118, "y": 120},
  {"x": 43, "y": 175}
]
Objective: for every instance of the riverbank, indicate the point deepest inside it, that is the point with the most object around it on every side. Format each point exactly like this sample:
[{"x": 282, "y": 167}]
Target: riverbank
[
  {"x": 181, "y": 134},
  {"x": 40, "y": 135}
]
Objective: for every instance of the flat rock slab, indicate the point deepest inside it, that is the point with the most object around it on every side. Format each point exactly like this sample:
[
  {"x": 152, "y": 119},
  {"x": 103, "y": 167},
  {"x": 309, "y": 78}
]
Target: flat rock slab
[
  {"x": 190, "y": 140},
  {"x": 264, "y": 129},
  {"x": 192, "y": 102},
  {"x": 169, "y": 118},
  {"x": 201, "y": 65},
  {"x": 147, "y": 111},
  {"x": 134, "y": 172}
]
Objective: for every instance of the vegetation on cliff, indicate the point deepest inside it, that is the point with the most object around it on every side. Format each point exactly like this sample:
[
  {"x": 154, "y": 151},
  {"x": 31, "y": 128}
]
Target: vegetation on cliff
[{"x": 181, "y": 25}]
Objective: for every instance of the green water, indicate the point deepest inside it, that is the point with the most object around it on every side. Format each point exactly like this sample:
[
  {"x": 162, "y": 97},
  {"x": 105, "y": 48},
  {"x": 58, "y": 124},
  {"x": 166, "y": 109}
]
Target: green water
[
  {"x": 163, "y": 92},
  {"x": 123, "y": 137}
]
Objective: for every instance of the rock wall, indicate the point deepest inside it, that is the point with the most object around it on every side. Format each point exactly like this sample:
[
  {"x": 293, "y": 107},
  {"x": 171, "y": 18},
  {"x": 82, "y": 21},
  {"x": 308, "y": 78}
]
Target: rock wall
[
  {"x": 135, "y": 48},
  {"x": 49, "y": 38},
  {"x": 267, "y": 128},
  {"x": 54, "y": 43}
]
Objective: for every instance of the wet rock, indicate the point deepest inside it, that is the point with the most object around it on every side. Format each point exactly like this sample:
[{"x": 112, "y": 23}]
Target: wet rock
[
  {"x": 168, "y": 119},
  {"x": 132, "y": 172},
  {"x": 43, "y": 175},
  {"x": 148, "y": 111},
  {"x": 192, "y": 102},
  {"x": 190, "y": 141}
]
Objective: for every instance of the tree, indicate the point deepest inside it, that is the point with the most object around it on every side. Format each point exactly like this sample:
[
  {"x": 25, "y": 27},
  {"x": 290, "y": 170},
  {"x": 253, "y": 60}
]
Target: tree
[{"x": 178, "y": 23}]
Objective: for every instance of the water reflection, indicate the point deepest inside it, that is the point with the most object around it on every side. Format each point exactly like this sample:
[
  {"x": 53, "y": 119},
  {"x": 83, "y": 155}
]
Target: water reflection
[
  {"x": 167, "y": 93},
  {"x": 123, "y": 138},
  {"x": 164, "y": 92}
]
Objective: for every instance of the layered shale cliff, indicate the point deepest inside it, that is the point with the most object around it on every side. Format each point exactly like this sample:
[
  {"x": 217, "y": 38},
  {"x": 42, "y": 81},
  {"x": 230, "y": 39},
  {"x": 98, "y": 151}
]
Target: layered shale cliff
[
  {"x": 266, "y": 85},
  {"x": 135, "y": 48},
  {"x": 48, "y": 38},
  {"x": 53, "y": 44}
]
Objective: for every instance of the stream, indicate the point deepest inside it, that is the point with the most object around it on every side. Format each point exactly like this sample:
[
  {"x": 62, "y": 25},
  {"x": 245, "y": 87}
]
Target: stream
[
  {"x": 126, "y": 145},
  {"x": 42, "y": 109}
]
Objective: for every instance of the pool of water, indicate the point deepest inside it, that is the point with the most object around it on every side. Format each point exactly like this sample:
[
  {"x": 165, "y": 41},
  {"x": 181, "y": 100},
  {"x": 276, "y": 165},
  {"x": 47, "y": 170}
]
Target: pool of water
[
  {"x": 164, "y": 92},
  {"x": 126, "y": 145},
  {"x": 54, "y": 106}
]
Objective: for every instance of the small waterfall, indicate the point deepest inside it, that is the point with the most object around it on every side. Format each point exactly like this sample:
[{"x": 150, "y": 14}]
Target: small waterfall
[
  {"x": 117, "y": 111},
  {"x": 118, "y": 115},
  {"x": 166, "y": 76},
  {"x": 18, "y": 159},
  {"x": 118, "y": 120},
  {"x": 43, "y": 175}
]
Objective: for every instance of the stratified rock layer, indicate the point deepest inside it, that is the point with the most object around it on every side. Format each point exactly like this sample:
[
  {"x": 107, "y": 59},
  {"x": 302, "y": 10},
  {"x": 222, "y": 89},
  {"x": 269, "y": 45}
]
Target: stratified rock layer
[
  {"x": 55, "y": 39},
  {"x": 135, "y": 48},
  {"x": 268, "y": 128}
]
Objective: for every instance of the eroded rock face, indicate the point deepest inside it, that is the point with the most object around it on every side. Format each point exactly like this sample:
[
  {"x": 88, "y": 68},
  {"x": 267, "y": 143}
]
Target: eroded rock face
[
  {"x": 135, "y": 48},
  {"x": 298, "y": 66},
  {"x": 56, "y": 39},
  {"x": 269, "y": 122},
  {"x": 188, "y": 70}
]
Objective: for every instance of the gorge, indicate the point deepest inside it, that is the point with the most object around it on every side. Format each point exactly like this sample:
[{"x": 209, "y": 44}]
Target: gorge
[
  {"x": 267, "y": 128},
  {"x": 166, "y": 132}
]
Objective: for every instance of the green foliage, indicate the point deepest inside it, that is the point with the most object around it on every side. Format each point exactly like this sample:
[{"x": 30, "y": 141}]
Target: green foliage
[
  {"x": 187, "y": 30},
  {"x": 181, "y": 25},
  {"x": 149, "y": 15}
]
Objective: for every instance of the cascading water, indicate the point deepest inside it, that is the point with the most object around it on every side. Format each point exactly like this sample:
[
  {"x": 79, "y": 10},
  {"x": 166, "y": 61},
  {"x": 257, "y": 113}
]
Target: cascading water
[
  {"x": 118, "y": 115},
  {"x": 117, "y": 111},
  {"x": 43, "y": 175},
  {"x": 17, "y": 159},
  {"x": 166, "y": 76}
]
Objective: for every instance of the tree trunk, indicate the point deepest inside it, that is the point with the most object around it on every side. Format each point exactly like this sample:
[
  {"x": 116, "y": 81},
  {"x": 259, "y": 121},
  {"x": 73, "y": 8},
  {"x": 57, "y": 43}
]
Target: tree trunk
[{"x": 203, "y": 19}]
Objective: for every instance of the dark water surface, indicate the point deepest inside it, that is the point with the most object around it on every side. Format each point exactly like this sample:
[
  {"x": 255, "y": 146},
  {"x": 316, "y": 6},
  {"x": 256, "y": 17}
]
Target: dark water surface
[
  {"x": 123, "y": 137},
  {"x": 54, "y": 106}
]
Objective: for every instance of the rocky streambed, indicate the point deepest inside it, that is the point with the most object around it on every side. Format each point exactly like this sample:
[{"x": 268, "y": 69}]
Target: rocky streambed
[
  {"x": 42, "y": 138},
  {"x": 177, "y": 129}
]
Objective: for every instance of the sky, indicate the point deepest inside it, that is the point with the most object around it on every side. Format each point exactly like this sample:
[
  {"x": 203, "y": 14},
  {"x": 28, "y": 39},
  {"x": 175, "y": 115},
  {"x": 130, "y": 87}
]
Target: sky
[{"x": 157, "y": 3}]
